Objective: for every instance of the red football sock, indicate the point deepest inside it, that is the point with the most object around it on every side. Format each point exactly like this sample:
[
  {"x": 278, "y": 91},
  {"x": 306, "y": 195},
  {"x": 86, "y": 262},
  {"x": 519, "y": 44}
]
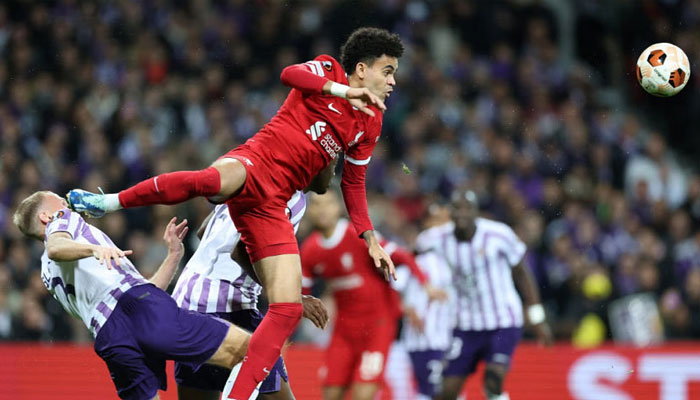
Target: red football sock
[
  {"x": 172, "y": 188},
  {"x": 265, "y": 347}
]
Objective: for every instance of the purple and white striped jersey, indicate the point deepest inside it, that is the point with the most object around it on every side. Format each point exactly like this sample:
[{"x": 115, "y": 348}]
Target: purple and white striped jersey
[
  {"x": 438, "y": 317},
  {"x": 481, "y": 274},
  {"x": 211, "y": 281},
  {"x": 85, "y": 288},
  {"x": 426, "y": 239}
]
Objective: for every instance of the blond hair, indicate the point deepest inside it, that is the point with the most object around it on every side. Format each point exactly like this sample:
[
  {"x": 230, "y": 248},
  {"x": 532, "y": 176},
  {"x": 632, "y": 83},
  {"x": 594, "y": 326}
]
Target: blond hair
[{"x": 26, "y": 217}]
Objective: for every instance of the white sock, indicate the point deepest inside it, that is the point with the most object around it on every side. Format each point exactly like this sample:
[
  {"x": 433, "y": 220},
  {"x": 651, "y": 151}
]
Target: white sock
[
  {"x": 112, "y": 202},
  {"x": 230, "y": 381}
]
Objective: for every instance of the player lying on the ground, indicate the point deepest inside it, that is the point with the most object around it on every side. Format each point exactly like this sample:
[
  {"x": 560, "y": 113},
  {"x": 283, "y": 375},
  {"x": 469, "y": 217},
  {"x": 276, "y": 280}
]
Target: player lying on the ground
[
  {"x": 367, "y": 307},
  {"x": 219, "y": 280},
  {"x": 137, "y": 326},
  {"x": 331, "y": 109}
]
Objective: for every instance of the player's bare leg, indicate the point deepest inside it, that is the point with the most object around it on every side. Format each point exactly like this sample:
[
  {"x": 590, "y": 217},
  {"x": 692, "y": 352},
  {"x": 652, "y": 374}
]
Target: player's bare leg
[
  {"x": 187, "y": 393},
  {"x": 451, "y": 387},
  {"x": 333, "y": 392},
  {"x": 364, "y": 390},
  {"x": 281, "y": 278},
  {"x": 285, "y": 393},
  {"x": 231, "y": 352},
  {"x": 232, "y": 175},
  {"x": 493, "y": 381},
  {"x": 232, "y": 349}
]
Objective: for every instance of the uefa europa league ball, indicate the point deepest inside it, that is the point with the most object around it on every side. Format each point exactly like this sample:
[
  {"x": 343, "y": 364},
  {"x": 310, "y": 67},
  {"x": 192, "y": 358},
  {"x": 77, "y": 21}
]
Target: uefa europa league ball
[{"x": 663, "y": 69}]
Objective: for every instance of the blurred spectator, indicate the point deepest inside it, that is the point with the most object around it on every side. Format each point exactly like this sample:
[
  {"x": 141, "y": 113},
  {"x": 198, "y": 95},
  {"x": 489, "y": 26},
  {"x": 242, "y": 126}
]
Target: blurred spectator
[
  {"x": 655, "y": 176},
  {"x": 32, "y": 323},
  {"x": 5, "y": 315},
  {"x": 692, "y": 296},
  {"x": 675, "y": 314}
]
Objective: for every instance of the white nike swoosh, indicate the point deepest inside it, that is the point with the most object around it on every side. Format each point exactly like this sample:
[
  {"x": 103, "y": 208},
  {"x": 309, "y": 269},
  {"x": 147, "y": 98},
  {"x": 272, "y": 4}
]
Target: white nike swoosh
[
  {"x": 333, "y": 108},
  {"x": 265, "y": 370}
]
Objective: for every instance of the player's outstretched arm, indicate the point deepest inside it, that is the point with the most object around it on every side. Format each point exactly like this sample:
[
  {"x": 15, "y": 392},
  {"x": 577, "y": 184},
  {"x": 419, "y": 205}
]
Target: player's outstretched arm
[
  {"x": 173, "y": 238},
  {"x": 379, "y": 256},
  {"x": 60, "y": 246}
]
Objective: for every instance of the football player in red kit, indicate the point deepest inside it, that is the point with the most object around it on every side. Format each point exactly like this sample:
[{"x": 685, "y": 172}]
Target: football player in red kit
[
  {"x": 367, "y": 307},
  {"x": 327, "y": 112}
]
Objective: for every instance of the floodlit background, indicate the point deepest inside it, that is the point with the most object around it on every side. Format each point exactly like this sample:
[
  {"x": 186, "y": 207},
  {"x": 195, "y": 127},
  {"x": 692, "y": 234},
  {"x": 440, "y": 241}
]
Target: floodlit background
[{"x": 533, "y": 104}]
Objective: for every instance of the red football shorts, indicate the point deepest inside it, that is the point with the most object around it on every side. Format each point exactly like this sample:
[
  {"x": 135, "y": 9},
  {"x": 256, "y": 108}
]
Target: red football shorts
[
  {"x": 259, "y": 210},
  {"x": 358, "y": 353}
]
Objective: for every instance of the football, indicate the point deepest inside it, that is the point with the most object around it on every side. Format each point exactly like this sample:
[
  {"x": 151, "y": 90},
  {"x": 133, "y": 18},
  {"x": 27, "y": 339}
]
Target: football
[{"x": 663, "y": 69}]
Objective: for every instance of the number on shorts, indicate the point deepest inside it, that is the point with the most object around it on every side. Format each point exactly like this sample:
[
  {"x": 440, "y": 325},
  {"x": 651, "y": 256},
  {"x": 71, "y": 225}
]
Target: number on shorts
[
  {"x": 371, "y": 364},
  {"x": 435, "y": 374},
  {"x": 455, "y": 349}
]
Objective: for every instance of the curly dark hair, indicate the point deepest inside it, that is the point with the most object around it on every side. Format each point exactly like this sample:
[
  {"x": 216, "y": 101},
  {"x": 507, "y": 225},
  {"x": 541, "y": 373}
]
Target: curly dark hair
[{"x": 366, "y": 45}]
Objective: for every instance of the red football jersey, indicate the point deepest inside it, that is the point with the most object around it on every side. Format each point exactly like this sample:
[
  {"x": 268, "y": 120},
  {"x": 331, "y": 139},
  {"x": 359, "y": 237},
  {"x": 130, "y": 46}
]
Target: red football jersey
[
  {"x": 359, "y": 289},
  {"x": 310, "y": 129},
  {"x": 329, "y": 122}
]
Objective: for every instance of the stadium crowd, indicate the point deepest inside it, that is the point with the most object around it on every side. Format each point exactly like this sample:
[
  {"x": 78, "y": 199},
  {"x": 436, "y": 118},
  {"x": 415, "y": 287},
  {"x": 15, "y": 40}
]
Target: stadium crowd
[{"x": 557, "y": 141}]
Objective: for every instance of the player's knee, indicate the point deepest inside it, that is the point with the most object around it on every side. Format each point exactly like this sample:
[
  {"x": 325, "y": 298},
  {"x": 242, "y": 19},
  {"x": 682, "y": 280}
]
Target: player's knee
[
  {"x": 364, "y": 391},
  {"x": 232, "y": 175},
  {"x": 285, "y": 393},
  {"x": 445, "y": 395},
  {"x": 493, "y": 383},
  {"x": 239, "y": 351},
  {"x": 449, "y": 389},
  {"x": 235, "y": 346}
]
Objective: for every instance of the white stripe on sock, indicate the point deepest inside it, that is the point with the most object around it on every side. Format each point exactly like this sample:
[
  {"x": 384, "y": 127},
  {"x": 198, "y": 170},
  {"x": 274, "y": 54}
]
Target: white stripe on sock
[{"x": 232, "y": 379}]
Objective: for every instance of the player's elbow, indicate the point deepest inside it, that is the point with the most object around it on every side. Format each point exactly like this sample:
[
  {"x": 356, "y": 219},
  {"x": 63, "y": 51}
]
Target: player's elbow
[
  {"x": 52, "y": 252},
  {"x": 286, "y": 76}
]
